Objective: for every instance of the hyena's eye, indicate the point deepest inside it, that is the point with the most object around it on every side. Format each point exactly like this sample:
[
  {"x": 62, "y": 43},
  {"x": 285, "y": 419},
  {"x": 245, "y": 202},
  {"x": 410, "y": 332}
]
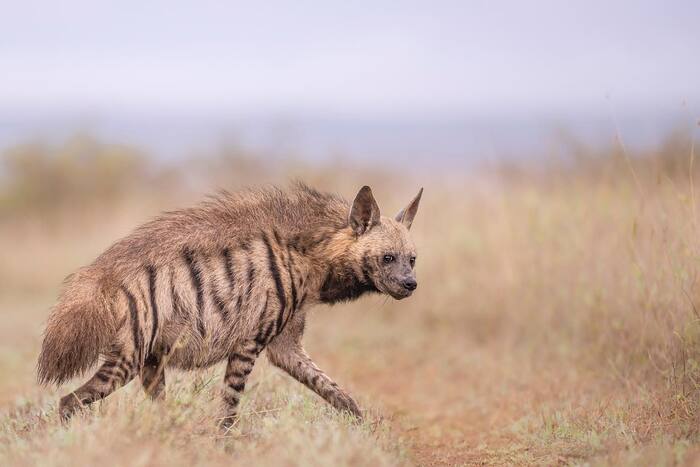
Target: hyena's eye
[
  {"x": 412, "y": 261},
  {"x": 388, "y": 258}
]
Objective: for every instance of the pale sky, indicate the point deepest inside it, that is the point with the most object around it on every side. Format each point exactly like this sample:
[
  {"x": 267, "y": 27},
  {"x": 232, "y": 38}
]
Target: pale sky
[{"x": 356, "y": 58}]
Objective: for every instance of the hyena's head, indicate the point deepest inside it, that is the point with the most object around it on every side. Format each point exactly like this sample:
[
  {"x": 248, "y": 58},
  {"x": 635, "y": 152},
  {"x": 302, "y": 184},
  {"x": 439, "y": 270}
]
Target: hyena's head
[{"x": 383, "y": 245}]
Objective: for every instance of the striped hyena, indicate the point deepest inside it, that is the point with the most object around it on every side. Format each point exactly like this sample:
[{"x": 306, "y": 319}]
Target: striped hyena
[{"x": 223, "y": 281}]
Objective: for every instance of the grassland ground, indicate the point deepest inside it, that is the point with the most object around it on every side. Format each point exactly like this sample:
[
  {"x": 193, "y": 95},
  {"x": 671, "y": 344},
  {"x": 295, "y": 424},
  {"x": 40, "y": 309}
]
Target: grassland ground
[{"x": 555, "y": 323}]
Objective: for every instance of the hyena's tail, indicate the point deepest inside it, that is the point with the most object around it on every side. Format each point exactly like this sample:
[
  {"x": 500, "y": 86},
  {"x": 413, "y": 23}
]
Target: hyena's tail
[{"x": 79, "y": 327}]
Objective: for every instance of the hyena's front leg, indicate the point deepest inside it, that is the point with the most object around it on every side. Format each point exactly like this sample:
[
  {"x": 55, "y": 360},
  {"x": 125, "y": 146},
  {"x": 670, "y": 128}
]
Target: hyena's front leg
[
  {"x": 153, "y": 376},
  {"x": 291, "y": 357},
  {"x": 115, "y": 372},
  {"x": 240, "y": 364}
]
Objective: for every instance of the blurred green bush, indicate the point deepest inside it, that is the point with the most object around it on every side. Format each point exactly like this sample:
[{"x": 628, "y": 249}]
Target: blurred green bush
[{"x": 38, "y": 178}]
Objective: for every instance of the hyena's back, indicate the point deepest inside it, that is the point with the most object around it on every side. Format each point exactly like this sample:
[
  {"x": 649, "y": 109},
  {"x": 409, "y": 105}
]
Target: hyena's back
[{"x": 165, "y": 286}]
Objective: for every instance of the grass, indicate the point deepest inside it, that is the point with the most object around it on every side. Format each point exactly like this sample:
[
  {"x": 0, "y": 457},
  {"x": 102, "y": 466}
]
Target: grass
[
  {"x": 279, "y": 427},
  {"x": 556, "y": 322}
]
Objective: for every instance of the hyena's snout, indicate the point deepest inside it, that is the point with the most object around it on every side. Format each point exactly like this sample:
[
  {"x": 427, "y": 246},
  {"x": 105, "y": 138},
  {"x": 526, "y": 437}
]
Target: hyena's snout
[
  {"x": 402, "y": 286},
  {"x": 409, "y": 284}
]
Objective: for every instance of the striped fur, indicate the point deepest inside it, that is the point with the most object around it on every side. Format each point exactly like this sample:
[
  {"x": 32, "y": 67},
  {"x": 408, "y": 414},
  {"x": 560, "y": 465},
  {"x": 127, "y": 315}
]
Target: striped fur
[{"x": 223, "y": 281}]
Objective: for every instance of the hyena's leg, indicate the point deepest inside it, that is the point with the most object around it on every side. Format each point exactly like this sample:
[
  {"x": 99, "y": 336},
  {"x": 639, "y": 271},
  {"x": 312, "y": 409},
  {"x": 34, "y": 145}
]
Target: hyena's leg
[
  {"x": 240, "y": 364},
  {"x": 294, "y": 360},
  {"x": 287, "y": 353},
  {"x": 115, "y": 372},
  {"x": 153, "y": 376}
]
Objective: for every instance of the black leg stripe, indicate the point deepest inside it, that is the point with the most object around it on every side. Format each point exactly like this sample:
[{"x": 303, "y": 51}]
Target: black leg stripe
[
  {"x": 232, "y": 398},
  {"x": 175, "y": 298},
  {"x": 267, "y": 336},
  {"x": 135, "y": 325},
  {"x": 301, "y": 301},
  {"x": 294, "y": 294},
  {"x": 154, "y": 306},
  {"x": 241, "y": 374},
  {"x": 109, "y": 364},
  {"x": 274, "y": 271},
  {"x": 103, "y": 376},
  {"x": 314, "y": 380},
  {"x": 243, "y": 358},
  {"x": 292, "y": 279},
  {"x": 197, "y": 284},
  {"x": 126, "y": 367},
  {"x": 238, "y": 387},
  {"x": 239, "y": 303},
  {"x": 251, "y": 279},
  {"x": 263, "y": 335},
  {"x": 219, "y": 303},
  {"x": 121, "y": 372}
]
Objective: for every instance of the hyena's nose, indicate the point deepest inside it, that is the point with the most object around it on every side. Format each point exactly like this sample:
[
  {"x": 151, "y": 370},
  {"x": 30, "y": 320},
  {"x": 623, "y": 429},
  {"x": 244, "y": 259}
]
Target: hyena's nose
[{"x": 409, "y": 284}]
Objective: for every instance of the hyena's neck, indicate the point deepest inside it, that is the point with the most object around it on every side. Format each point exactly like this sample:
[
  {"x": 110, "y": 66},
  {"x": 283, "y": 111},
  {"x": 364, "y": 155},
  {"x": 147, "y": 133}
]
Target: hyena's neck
[
  {"x": 343, "y": 282},
  {"x": 339, "y": 276}
]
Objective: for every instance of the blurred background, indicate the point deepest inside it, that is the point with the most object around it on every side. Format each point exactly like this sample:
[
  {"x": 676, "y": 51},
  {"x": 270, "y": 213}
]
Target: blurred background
[
  {"x": 556, "y": 321},
  {"x": 453, "y": 82}
]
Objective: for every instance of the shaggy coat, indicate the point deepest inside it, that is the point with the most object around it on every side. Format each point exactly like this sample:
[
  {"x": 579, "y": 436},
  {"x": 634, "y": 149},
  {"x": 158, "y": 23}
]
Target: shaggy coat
[{"x": 224, "y": 281}]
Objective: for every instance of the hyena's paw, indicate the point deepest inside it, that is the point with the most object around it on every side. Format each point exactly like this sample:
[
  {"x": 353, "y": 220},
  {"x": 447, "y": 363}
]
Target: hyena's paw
[
  {"x": 67, "y": 407},
  {"x": 345, "y": 403},
  {"x": 228, "y": 422}
]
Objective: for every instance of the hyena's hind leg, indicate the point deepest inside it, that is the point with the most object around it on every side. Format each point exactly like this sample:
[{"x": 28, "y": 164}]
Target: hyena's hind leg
[
  {"x": 153, "y": 376},
  {"x": 115, "y": 372},
  {"x": 240, "y": 364}
]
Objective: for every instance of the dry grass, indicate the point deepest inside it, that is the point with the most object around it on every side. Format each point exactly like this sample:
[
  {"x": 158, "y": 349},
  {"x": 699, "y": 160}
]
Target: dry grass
[{"x": 557, "y": 321}]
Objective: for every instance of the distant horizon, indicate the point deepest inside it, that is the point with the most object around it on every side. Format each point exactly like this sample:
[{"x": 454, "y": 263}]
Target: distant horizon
[
  {"x": 460, "y": 81},
  {"x": 452, "y": 140}
]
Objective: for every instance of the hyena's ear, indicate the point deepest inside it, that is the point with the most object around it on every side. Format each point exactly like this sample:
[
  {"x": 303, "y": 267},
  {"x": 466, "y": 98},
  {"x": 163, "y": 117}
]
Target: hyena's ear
[
  {"x": 365, "y": 212},
  {"x": 406, "y": 215}
]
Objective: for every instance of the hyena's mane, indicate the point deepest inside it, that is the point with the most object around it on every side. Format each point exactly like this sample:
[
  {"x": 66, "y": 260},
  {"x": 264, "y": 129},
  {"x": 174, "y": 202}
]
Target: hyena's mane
[{"x": 229, "y": 216}]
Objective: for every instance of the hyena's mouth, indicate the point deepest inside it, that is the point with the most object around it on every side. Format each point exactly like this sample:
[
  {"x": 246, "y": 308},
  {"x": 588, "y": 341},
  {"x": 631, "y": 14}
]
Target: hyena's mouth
[
  {"x": 394, "y": 290},
  {"x": 402, "y": 294},
  {"x": 397, "y": 293}
]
